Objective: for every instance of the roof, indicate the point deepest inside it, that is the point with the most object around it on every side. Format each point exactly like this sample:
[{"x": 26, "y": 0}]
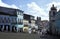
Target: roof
[
  {"x": 6, "y": 10},
  {"x": 28, "y": 17},
  {"x": 53, "y": 7}
]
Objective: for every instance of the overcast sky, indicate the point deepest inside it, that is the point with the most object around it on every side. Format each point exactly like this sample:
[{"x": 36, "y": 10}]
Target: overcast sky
[{"x": 36, "y": 8}]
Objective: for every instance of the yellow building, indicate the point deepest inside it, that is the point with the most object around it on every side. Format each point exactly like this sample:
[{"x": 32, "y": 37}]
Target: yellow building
[
  {"x": 25, "y": 28},
  {"x": 28, "y": 22}
]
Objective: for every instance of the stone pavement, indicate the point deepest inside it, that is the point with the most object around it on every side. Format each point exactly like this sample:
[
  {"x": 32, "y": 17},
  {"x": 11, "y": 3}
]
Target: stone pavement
[{"x": 10, "y": 35}]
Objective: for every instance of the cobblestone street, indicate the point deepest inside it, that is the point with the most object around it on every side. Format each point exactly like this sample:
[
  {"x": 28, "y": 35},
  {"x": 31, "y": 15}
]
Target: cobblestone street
[
  {"x": 9, "y": 35},
  {"x": 49, "y": 37}
]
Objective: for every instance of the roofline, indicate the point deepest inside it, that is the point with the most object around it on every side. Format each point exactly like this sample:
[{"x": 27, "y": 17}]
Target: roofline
[
  {"x": 11, "y": 8},
  {"x": 29, "y": 15}
]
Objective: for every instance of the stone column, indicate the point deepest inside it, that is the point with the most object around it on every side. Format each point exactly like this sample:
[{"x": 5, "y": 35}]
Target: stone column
[
  {"x": 2, "y": 29},
  {"x": 16, "y": 29},
  {"x": 6, "y": 28},
  {"x": 10, "y": 28}
]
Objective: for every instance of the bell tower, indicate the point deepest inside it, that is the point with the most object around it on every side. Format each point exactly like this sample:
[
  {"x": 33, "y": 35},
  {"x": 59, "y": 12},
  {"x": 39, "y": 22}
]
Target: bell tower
[{"x": 52, "y": 14}]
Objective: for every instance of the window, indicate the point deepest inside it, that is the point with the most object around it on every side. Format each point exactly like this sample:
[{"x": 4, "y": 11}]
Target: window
[
  {"x": 19, "y": 13},
  {"x": 12, "y": 20},
  {"x": 29, "y": 21},
  {"x": 53, "y": 20},
  {"x": 20, "y": 21},
  {"x": 4, "y": 20},
  {"x": 8, "y": 19},
  {"x": 1, "y": 19},
  {"x": 32, "y": 17},
  {"x": 53, "y": 13},
  {"x": 15, "y": 20}
]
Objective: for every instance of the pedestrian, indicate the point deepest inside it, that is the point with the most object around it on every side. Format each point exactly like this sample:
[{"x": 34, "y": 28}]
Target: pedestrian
[
  {"x": 29, "y": 30},
  {"x": 38, "y": 32},
  {"x": 43, "y": 32}
]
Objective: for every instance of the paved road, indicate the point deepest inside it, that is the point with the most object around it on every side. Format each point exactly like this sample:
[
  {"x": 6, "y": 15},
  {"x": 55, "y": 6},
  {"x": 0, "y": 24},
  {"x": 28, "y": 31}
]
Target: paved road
[
  {"x": 49, "y": 37},
  {"x": 9, "y": 35},
  {"x": 6, "y": 35}
]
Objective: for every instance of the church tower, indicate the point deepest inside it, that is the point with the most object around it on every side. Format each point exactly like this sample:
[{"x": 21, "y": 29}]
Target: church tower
[{"x": 52, "y": 14}]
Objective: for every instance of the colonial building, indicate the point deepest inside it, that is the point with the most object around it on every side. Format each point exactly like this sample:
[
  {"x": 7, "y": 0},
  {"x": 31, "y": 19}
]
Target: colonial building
[
  {"x": 57, "y": 23},
  {"x": 44, "y": 24},
  {"x": 38, "y": 21},
  {"x": 10, "y": 19},
  {"x": 28, "y": 22}
]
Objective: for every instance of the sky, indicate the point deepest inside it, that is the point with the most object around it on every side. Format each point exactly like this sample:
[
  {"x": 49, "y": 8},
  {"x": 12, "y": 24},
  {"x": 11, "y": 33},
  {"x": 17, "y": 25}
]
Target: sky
[{"x": 36, "y": 8}]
